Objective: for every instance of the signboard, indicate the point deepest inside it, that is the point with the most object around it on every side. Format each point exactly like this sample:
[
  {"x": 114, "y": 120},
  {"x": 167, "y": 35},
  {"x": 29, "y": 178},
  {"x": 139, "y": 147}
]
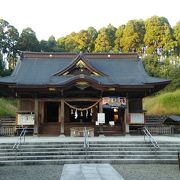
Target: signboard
[
  {"x": 111, "y": 123},
  {"x": 101, "y": 118},
  {"x": 25, "y": 119},
  {"x": 136, "y": 118},
  {"x": 97, "y": 123},
  {"x": 114, "y": 101}
]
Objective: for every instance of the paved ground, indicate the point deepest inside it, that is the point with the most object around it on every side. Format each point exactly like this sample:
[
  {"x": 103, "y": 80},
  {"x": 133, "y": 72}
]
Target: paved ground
[
  {"x": 175, "y": 138},
  {"x": 129, "y": 172}
]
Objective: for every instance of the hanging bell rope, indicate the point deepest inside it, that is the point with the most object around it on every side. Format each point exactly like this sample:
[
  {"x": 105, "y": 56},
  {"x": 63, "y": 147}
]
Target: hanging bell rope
[{"x": 82, "y": 109}]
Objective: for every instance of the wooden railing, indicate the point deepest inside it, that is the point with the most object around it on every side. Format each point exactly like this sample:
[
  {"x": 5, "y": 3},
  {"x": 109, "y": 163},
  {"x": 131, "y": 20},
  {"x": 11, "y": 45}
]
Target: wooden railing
[
  {"x": 152, "y": 120},
  {"x": 160, "y": 129},
  {"x": 7, "y": 126},
  {"x": 155, "y": 125}
]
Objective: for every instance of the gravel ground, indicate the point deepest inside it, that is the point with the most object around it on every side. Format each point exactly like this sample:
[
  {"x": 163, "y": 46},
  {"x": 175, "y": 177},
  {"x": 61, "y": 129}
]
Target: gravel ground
[
  {"x": 148, "y": 171},
  {"x": 129, "y": 172}
]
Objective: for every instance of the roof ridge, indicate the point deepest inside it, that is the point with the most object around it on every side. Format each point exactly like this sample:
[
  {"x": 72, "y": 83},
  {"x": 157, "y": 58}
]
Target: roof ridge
[{"x": 93, "y": 55}]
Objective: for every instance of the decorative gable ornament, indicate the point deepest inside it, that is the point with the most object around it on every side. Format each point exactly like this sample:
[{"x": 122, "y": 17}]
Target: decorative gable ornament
[{"x": 80, "y": 66}]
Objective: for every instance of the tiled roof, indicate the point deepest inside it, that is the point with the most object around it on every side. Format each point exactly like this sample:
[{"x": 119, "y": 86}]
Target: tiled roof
[{"x": 119, "y": 69}]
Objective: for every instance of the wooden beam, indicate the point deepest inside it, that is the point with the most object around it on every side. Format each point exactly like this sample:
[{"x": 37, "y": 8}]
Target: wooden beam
[
  {"x": 50, "y": 99},
  {"x": 81, "y": 99}
]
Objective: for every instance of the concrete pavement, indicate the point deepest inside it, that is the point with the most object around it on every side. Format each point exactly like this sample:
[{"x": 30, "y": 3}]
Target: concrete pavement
[{"x": 36, "y": 139}]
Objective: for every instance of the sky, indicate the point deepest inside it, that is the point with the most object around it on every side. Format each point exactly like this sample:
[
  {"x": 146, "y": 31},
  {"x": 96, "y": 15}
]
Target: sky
[{"x": 61, "y": 17}]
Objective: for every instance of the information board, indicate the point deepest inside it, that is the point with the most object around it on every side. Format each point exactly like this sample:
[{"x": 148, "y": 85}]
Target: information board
[
  {"x": 25, "y": 119},
  {"x": 136, "y": 118},
  {"x": 101, "y": 118}
]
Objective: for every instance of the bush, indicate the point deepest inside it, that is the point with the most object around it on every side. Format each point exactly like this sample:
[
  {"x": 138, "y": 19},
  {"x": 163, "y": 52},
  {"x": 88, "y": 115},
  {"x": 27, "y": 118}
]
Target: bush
[
  {"x": 8, "y": 107},
  {"x": 164, "y": 104}
]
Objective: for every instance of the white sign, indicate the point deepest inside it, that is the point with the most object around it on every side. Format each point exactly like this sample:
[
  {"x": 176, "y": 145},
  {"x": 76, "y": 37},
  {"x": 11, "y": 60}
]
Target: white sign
[
  {"x": 136, "y": 118},
  {"x": 101, "y": 118},
  {"x": 97, "y": 123},
  {"x": 25, "y": 119},
  {"x": 111, "y": 123}
]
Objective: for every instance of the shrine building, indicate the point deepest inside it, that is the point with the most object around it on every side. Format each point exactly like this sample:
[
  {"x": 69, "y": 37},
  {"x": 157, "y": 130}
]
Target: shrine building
[{"x": 61, "y": 93}]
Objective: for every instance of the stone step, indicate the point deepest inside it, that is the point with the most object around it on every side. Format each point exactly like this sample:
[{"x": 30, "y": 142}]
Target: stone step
[
  {"x": 7, "y": 158},
  {"x": 91, "y": 145},
  {"x": 89, "y": 152},
  {"x": 77, "y": 145},
  {"x": 70, "y": 161},
  {"x": 98, "y": 152},
  {"x": 67, "y": 144},
  {"x": 91, "y": 142},
  {"x": 91, "y": 149}
]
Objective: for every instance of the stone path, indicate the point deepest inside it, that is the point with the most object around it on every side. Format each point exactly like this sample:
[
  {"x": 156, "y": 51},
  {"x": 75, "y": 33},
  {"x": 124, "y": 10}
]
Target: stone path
[{"x": 89, "y": 172}]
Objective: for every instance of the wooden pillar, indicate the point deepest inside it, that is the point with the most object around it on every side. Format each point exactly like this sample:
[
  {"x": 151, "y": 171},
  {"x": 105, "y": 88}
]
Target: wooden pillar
[
  {"x": 94, "y": 114},
  {"x": 18, "y": 104},
  {"x": 36, "y": 117},
  {"x": 100, "y": 107},
  {"x": 59, "y": 112},
  {"x": 42, "y": 112},
  {"x": 62, "y": 116},
  {"x": 126, "y": 123}
]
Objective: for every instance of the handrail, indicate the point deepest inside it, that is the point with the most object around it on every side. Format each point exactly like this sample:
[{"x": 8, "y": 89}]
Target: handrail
[
  {"x": 179, "y": 159},
  {"x": 20, "y": 138},
  {"x": 151, "y": 139},
  {"x": 86, "y": 142}
]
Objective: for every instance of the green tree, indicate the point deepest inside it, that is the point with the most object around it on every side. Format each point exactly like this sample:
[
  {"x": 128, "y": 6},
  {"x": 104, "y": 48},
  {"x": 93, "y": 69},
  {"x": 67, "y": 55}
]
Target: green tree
[
  {"x": 60, "y": 46},
  {"x": 177, "y": 36},
  {"x": 52, "y": 43},
  {"x": 111, "y": 31},
  {"x": 3, "y": 37},
  {"x": 102, "y": 42},
  {"x": 83, "y": 40},
  {"x": 12, "y": 51},
  {"x": 28, "y": 41},
  {"x": 8, "y": 40},
  {"x": 133, "y": 34},
  {"x": 118, "y": 36},
  {"x": 93, "y": 35},
  {"x": 174, "y": 75},
  {"x": 159, "y": 36},
  {"x": 2, "y": 66},
  {"x": 70, "y": 43},
  {"x": 44, "y": 46}
]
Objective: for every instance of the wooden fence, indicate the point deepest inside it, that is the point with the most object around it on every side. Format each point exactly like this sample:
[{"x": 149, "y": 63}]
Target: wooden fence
[
  {"x": 155, "y": 120},
  {"x": 155, "y": 125},
  {"x": 7, "y": 126},
  {"x": 161, "y": 129}
]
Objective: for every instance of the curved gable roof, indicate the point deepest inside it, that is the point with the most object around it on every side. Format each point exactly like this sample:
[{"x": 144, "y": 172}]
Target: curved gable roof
[
  {"x": 48, "y": 69},
  {"x": 79, "y": 60}
]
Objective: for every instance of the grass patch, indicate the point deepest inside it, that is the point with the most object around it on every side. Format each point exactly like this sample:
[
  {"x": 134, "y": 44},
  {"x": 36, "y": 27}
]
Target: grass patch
[
  {"x": 164, "y": 104},
  {"x": 8, "y": 107}
]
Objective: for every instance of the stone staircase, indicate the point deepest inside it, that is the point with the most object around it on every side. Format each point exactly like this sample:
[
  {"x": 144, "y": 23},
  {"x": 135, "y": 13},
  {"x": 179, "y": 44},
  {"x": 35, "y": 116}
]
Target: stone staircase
[{"x": 114, "y": 152}]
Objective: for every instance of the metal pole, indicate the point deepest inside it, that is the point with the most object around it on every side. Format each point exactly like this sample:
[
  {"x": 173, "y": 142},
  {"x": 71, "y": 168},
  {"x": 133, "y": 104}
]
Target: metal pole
[{"x": 179, "y": 160}]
